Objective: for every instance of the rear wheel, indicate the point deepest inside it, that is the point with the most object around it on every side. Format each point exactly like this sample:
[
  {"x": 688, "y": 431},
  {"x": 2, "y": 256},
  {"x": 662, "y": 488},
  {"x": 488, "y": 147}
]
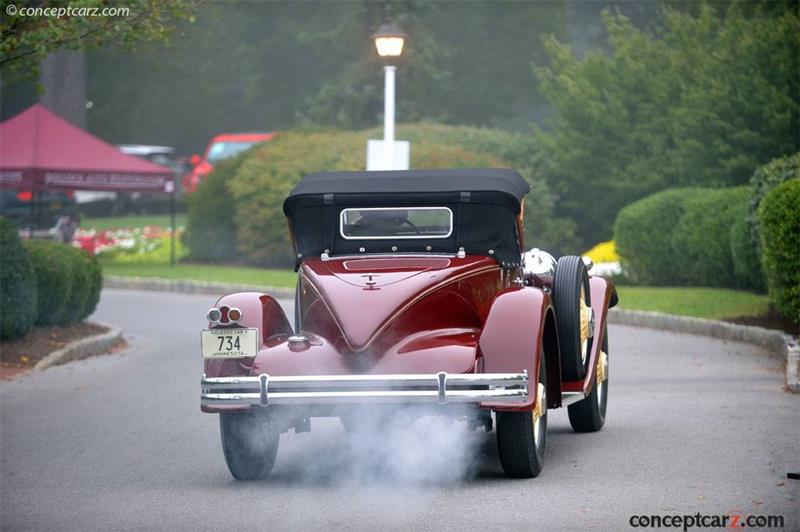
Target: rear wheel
[
  {"x": 574, "y": 318},
  {"x": 250, "y": 444},
  {"x": 522, "y": 436},
  {"x": 589, "y": 415}
]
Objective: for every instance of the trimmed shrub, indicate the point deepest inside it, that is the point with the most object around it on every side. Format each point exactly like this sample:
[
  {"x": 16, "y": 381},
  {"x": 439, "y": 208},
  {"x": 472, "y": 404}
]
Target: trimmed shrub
[
  {"x": 87, "y": 283},
  {"x": 779, "y": 219},
  {"x": 683, "y": 236},
  {"x": 701, "y": 239},
  {"x": 54, "y": 266},
  {"x": 643, "y": 232},
  {"x": 95, "y": 284},
  {"x": 764, "y": 179},
  {"x": 211, "y": 231},
  {"x": 17, "y": 285},
  {"x": 268, "y": 173},
  {"x": 746, "y": 262}
]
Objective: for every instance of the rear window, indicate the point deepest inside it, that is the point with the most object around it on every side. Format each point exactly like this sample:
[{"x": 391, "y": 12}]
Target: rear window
[{"x": 396, "y": 222}]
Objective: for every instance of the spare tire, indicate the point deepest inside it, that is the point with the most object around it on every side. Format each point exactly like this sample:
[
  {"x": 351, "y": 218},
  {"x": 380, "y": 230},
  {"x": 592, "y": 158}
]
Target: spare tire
[{"x": 571, "y": 299}]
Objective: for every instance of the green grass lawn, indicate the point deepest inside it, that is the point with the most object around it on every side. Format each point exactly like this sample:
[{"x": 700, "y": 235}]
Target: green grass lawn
[
  {"x": 712, "y": 303},
  {"x": 203, "y": 272},
  {"x": 132, "y": 222}
]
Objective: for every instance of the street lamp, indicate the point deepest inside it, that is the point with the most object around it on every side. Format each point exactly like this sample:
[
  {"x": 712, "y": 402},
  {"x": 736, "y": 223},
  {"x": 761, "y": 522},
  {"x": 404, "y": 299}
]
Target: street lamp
[{"x": 389, "y": 41}]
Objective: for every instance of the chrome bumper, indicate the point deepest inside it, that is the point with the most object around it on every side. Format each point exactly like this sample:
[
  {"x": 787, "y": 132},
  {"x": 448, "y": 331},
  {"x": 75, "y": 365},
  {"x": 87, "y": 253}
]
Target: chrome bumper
[{"x": 439, "y": 388}]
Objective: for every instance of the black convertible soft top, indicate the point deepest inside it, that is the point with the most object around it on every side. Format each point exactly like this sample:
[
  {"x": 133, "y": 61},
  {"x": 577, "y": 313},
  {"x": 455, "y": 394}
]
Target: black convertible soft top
[
  {"x": 500, "y": 181},
  {"x": 484, "y": 204}
]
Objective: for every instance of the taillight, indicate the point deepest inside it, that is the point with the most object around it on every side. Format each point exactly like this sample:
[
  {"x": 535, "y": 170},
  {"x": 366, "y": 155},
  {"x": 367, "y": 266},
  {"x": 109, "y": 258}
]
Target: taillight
[
  {"x": 214, "y": 315},
  {"x": 224, "y": 315},
  {"x": 24, "y": 195}
]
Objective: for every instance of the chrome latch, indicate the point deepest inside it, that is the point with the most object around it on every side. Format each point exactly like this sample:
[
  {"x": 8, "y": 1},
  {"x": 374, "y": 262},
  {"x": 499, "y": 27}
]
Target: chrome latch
[
  {"x": 264, "y": 385},
  {"x": 441, "y": 378}
]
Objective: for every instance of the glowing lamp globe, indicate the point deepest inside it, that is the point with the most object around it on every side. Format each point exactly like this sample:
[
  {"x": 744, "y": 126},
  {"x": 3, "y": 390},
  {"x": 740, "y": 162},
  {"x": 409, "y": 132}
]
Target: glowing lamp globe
[{"x": 389, "y": 41}]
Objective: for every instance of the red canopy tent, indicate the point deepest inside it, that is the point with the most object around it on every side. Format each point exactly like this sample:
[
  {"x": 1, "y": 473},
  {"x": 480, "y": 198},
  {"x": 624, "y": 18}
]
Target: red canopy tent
[{"x": 39, "y": 150}]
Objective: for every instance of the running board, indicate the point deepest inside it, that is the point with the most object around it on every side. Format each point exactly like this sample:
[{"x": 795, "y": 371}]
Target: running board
[{"x": 568, "y": 398}]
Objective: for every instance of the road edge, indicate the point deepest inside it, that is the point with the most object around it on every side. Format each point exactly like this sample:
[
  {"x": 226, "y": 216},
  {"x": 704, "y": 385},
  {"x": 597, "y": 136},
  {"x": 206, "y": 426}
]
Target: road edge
[
  {"x": 83, "y": 348},
  {"x": 780, "y": 343}
]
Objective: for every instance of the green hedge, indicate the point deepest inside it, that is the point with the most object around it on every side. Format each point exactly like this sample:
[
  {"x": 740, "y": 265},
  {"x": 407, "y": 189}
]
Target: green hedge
[
  {"x": 643, "y": 233},
  {"x": 746, "y": 257},
  {"x": 211, "y": 230},
  {"x": 95, "y": 274},
  {"x": 266, "y": 175},
  {"x": 683, "y": 236},
  {"x": 764, "y": 179},
  {"x": 81, "y": 288},
  {"x": 55, "y": 267},
  {"x": 68, "y": 282},
  {"x": 701, "y": 240},
  {"x": 17, "y": 285},
  {"x": 779, "y": 219}
]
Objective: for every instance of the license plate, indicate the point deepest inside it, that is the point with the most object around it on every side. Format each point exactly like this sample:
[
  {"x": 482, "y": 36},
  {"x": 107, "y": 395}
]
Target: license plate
[{"x": 229, "y": 343}]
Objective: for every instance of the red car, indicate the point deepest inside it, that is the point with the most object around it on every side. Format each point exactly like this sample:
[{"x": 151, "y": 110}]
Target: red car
[
  {"x": 221, "y": 147},
  {"x": 413, "y": 293}
]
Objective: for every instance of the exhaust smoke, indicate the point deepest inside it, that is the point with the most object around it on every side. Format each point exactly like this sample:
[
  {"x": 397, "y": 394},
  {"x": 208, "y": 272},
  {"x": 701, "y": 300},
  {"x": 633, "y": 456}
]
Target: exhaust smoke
[{"x": 379, "y": 446}]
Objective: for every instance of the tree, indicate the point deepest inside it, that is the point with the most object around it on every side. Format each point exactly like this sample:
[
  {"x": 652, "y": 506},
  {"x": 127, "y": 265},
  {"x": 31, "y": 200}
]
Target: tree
[
  {"x": 702, "y": 100},
  {"x": 31, "y": 30}
]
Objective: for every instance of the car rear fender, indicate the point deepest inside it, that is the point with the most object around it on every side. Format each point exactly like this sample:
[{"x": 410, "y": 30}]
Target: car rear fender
[
  {"x": 604, "y": 296},
  {"x": 260, "y": 311},
  {"x": 519, "y": 324}
]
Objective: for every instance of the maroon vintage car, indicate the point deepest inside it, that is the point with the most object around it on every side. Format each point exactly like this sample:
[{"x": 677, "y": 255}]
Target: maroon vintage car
[{"x": 413, "y": 293}]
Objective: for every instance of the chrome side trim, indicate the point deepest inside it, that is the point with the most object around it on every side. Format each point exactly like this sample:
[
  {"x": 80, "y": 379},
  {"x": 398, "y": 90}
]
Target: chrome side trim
[
  {"x": 439, "y": 388},
  {"x": 568, "y": 398}
]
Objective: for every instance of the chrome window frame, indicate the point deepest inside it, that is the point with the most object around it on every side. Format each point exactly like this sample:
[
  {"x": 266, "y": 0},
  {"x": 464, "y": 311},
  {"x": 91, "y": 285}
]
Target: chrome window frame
[{"x": 395, "y": 237}]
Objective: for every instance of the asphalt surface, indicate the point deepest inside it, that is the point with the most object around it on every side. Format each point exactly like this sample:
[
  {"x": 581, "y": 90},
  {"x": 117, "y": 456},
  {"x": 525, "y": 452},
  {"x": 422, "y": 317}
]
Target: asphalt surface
[{"x": 118, "y": 442}]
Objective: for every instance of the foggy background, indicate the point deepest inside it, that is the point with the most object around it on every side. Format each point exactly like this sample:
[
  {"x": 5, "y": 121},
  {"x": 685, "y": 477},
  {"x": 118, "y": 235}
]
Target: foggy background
[{"x": 262, "y": 66}]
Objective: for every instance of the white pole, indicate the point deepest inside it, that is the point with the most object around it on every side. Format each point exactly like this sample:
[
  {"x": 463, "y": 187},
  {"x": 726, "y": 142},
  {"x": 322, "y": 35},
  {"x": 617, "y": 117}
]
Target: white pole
[{"x": 388, "y": 117}]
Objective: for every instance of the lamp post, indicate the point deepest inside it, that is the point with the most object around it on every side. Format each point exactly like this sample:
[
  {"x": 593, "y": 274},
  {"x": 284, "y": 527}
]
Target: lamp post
[{"x": 389, "y": 41}]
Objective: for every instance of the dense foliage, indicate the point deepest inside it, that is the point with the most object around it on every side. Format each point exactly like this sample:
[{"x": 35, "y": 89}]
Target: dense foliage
[
  {"x": 95, "y": 274},
  {"x": 211, "y": 234},
  {"x": 17, "y": 285},
  {"x": 29, "y": 37},
  {"x": 68, "y": 282},
  {"x": 703, "y": 100},
  {"x": 54, "y": 265},
  {"x": 748, "y": 238},
  {"x": 681, "y": 237},
  {"x": 701, "y": 239},
  {"x": 267, "y": 174},
  {"x": 643, "y": 235},
  {"x": 779, "y": 217}
]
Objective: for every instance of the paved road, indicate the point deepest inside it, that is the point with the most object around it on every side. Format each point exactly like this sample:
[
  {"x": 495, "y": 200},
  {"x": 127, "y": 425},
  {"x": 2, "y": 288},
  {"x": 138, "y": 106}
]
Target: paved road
[{"x": 118, "y": 442}]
